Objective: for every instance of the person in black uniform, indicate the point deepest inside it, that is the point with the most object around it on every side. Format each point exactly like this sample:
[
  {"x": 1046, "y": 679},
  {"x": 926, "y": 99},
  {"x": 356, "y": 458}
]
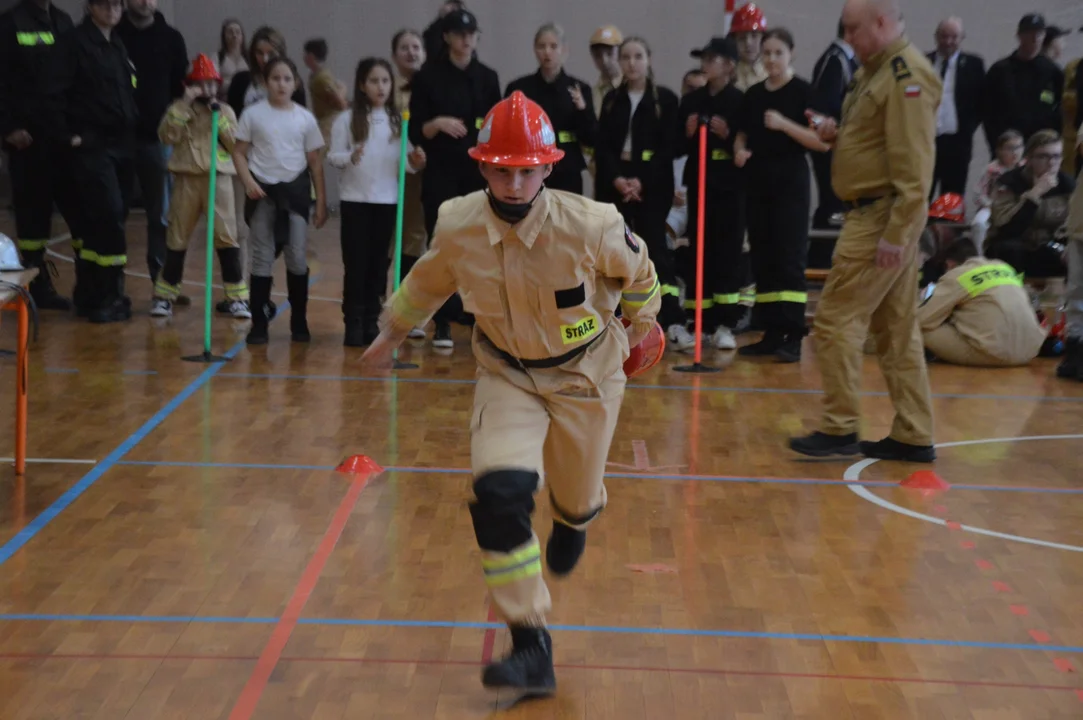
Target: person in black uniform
[
  {"x": 433, "y": 37},
  {"x": 771, "y": 145},
  {"x": 716, "y": 105},
  {"x": 451, "y": 96},
  {"x": 1023, "y": 90},
  {"x": 90, "y": 106},
  {"x": 638, "y": 135},
  {"x": 568, "y": 103},
  {"x": 831, "y": 76},
  {"x": 39, "y": 169}
]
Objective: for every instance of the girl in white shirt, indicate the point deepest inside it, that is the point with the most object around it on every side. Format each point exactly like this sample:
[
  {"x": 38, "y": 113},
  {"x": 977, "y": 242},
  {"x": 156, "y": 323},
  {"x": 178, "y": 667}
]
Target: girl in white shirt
[
  {"x": 366, "y": 145},
  {"x": 278, "y": 159}
]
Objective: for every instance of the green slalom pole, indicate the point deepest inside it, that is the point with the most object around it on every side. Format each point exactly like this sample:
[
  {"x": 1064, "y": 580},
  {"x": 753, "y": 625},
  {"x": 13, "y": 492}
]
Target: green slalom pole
[
  {"x": 206, "y": 355},
  {"x": 399, "y": 212}
]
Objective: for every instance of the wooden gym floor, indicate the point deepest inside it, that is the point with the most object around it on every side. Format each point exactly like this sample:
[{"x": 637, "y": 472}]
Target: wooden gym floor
[{"x": 182, "y": 547}]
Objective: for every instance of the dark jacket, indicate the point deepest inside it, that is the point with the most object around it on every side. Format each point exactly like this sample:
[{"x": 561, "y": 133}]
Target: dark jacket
[
  {"x": 722, "y": 174},
  {"x": 28, "y": 38},
  {"x": 161, "y": 64},
  {"x": 655, "y": 138},
  {"x": 969, "y": 89},
  {"x": 89, "y": 90},
  {"x": 831, "y": 77},
  {"x": 1023, "y": 95},
  {"x": 575, "y": 128},
  {"x": 1018, "y": 218}
]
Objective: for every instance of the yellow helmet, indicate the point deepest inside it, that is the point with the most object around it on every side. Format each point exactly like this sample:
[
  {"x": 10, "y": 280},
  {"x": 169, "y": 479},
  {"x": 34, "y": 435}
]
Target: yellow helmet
[{"x": 607, "y": 35}]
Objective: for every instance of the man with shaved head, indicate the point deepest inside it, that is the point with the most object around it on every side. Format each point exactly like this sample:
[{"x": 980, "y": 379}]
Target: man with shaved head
[
  {"x": 884, "y": 148},
  {"x": 959, "y": 114}
]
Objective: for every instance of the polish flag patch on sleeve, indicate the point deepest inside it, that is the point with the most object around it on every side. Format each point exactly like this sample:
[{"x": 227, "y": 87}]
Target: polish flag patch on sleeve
[{"x": 913, "y": 91}]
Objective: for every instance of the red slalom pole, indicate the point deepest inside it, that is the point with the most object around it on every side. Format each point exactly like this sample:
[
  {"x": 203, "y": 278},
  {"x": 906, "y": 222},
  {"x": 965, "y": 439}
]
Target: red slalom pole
[{"x": 701, "y": 197}]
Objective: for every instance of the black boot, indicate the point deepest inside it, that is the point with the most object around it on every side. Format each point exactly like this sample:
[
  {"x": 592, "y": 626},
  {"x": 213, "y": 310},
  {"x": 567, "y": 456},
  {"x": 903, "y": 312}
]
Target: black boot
[
  {"x": 790, "y": 349},
  {"x": 1071, "y": 367},
  {"x": 564, "y": 548},
  {"x": 259, "y": 289},
  {"x": 113, "y": 305},
  {"x": 297, "y": 289},
  {"x": 769, "y": 344},
  {"x": 529, "y": 666},
  {"x": 891, "y": 449},
  {"x": 41, "y": 288},
  {"x": 820, "y": 444},
  {"x": 354, "y": 319}
]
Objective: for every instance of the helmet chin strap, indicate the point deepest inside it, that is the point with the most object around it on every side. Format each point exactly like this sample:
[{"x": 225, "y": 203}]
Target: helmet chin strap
[{"x": 511, "y": 212}]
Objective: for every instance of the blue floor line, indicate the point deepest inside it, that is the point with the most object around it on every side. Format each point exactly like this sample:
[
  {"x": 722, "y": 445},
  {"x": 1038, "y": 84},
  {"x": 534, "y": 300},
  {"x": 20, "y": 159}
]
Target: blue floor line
[
  {"x": 609, "y": 629},
  {"x": 635, "y": 386},
  {"x": 622, "y": 475}
]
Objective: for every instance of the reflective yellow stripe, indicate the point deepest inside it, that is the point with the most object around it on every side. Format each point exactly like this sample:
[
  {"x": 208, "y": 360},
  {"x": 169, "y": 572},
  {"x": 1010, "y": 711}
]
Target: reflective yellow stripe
[
  {"x": 640, "y": 299},
  {"x": 236, "y": 291},
  {"x": 509, "y": 568},
  {"x": 565, "y": 137},
  {"x": 223, "y": 156},
  {"x": 32, "y": 244},
  {"x": 1048, "y": 97},
  {"x": 478, "y": 122},
  {"x": 585, "y": 328},
  {"x": 76, "y": 244},
  {"x": 719, "y": 154},
  {"x": 163, "y": 289},
  {"x": 671, "y": 290},
  {"x": 647, "y": 155},
  {"x": 730, "y": 299},
  {"x": 133, "y": 81},
  {"x": 30, "y": 39},
  {"x": 691, "y": 304},
  {"x": 103, "y": 260},
  {"x": 980, "y": 279},
  {"x": 177, "y": 118},
  {"x": 782, "y": 296}
]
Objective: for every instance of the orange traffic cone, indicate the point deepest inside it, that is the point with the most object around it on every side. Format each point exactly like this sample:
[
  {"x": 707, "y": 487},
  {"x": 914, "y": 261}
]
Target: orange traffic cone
[
  {"x": 359, "y": 465},
  {"x": 924, "y": 480}
]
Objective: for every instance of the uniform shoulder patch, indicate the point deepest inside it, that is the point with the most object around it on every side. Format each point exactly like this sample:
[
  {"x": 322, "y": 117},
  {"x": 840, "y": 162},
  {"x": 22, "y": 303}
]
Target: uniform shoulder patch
[
  {"x": 899, "y": 68},
  {"x": 630, "y": 240}
]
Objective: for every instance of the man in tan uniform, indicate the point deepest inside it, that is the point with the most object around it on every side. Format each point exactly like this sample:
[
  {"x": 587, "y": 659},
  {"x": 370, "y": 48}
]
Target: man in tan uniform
[
  {"x": 543, "y": 271},
  {"x": 883, "y": 165},
  {"x": 979, "y": 314}
]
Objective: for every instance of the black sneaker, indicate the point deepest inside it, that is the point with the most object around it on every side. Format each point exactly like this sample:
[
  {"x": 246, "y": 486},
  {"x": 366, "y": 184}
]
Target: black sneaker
[
  {"x": 820, "y": 444},
  {"x": 355, "y": 334},
  {"x": 790, "y": 350},
  {"x": 564, "y": 548},
  {"x": 891, "y": 449},
  {"x": 1071, "y": 367},
  {"x": 529, "y": 666},
  {"x": 768, "y": 345},
  {"x": 442, "y": 337}
]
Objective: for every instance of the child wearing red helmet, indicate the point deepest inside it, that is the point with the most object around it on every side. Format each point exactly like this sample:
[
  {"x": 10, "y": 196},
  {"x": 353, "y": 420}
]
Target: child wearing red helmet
[
  {"x": 543, "y": 271},
  {"x": 186, "y": 127}
]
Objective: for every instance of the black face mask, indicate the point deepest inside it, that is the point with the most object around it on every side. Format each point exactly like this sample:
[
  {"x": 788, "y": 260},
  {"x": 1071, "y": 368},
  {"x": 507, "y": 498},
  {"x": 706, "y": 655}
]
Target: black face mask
[{"x": 511, "y": 212}]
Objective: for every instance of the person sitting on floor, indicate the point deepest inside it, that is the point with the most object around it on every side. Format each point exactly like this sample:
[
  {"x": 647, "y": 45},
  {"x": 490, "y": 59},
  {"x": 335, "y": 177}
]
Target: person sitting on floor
[
  {"x": 1030, "y": 204},
  {"x": 979, "y": 314}
]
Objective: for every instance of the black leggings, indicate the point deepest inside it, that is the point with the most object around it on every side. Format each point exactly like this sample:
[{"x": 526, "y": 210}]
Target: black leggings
[
  {"x": 366, "y": 234},
  {"x": 723, "y": 272}
]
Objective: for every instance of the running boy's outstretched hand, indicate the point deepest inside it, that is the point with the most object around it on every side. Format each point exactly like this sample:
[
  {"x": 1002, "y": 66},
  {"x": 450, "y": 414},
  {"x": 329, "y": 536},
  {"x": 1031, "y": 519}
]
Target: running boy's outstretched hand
[{"x": 379, "y": 357}]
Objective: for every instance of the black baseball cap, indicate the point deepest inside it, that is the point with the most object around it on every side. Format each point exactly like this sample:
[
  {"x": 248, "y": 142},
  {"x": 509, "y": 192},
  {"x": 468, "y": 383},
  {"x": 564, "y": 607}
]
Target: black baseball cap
[
  {"x": 1032, "y": 22},
  {"x": 460, "y": 21},
  {"x": 722, "y": 46},
  {"x": 1055, "y": 31}
]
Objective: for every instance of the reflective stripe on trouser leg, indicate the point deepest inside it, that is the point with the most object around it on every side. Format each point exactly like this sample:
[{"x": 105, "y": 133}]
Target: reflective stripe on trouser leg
[
  {"x": 580, "y": 433},
  {"x": 508, "y": 427}
]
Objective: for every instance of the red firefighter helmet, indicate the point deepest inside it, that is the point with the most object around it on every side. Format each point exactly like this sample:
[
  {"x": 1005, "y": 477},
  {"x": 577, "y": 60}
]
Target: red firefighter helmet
[
  {"x": 950, "y": 207},
  {"x": 748, "y": 18},
  {"x": 517, "y": 133},
  {"x": 647, "y": 353},
  {"x": 203, "y": 70}
]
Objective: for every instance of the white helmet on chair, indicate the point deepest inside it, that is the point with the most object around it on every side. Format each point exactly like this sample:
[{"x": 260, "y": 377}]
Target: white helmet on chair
[{"x": 9, "y": 256}]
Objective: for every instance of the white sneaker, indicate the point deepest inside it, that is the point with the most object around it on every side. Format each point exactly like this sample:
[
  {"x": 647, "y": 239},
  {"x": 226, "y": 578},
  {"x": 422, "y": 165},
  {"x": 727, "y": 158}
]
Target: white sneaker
[
  {"x": 723, "y": 339},
  {"x": 680, "y": 338},
  {"x": 416, "y": 334},
  {"x": 160, "y": 307},
  {"x": 239, "y": 309}
]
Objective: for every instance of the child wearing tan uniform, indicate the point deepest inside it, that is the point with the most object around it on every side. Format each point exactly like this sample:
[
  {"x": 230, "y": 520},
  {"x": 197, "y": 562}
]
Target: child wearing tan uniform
[{"x": 186, "y": 127}]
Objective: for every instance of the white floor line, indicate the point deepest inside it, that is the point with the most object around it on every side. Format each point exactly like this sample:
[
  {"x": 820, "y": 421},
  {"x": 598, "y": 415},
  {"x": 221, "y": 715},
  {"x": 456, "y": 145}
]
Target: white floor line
[
  {"x": 193, "y": 283},
  {"x": 53, "y": 461},
  {"x": 853, "y": 474}
]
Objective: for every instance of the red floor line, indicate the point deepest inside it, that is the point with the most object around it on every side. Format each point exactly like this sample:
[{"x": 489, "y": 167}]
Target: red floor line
[
  {"x": 272, "y": 653},
  {"x": 489, "y": 640},
  {"x": 29, "y": 657}
]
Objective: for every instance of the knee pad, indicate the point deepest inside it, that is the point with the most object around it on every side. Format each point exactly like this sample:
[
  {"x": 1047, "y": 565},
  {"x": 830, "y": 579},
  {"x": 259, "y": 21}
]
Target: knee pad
[
  {"x": 502, "y": 509},
  {"x": 576, "y": 521}
]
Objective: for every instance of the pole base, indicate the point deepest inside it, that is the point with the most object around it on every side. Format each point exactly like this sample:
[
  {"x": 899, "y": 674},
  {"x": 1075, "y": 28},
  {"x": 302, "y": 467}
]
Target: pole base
[
  {"x": 206, "y": 357},
  {"x": 697, "y": 368},
  {"x": 400, "y": 365}
]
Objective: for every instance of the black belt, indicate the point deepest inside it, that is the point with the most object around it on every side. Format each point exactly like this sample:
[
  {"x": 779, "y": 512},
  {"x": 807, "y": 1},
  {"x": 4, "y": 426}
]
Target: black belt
[
  {"x": 862, "y": 202},
  {"x": 550, "y": 362}
]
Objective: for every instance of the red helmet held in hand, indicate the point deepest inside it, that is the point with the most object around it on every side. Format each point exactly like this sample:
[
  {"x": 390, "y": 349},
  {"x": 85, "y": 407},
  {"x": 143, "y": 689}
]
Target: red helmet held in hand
[
  {"x": 647, "y": 353},
  {"x": 748, "y": 18},
  {"x": 517, "y": 133},
  {"x": 950, "y": 207},
  {"x": 203, "y": 70}
]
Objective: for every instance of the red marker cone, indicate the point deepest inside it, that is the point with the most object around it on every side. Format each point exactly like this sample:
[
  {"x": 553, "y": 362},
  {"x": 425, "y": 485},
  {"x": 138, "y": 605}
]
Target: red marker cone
[
  {"x": 359, "y": 465},
  {"x": 925, "y": 480}
]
